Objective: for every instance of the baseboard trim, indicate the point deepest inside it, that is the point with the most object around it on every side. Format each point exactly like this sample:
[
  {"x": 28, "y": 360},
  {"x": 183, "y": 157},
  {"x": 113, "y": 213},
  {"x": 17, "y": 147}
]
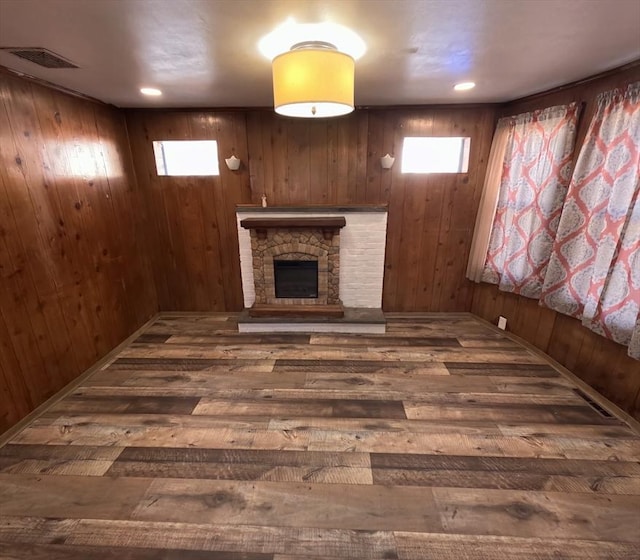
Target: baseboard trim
[
  {"x": 71, "y": 386},
  {"x": 427, "y": 314},
  {"x": 178, "y": 314},
  {"x": 605, "y": 403}
]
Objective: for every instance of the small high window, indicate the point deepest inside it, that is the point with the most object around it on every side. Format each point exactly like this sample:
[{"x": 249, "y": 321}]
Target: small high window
[
  {"x": 186, "y": 157},
  {"x": 435, "y": 154}
]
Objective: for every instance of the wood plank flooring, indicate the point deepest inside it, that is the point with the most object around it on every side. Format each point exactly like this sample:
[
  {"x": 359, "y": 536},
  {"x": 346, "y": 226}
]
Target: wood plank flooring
[{"x": 440, "y": 440}]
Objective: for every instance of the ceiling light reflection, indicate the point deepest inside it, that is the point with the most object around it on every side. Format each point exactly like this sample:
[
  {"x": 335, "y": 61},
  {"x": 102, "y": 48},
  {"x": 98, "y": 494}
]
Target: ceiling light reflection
[
  {"x": 464, "y": 86},
  {"x": 290, "y": 33},
  {"x": 150, "y": 91}
]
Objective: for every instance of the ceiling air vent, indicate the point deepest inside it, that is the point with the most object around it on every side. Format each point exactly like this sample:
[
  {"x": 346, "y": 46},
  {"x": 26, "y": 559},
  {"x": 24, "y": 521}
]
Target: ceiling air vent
[{"x": 40, "y": 56}]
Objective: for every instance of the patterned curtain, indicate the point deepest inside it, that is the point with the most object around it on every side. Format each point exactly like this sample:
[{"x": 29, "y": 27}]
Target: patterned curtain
[
  {"x": 535, "y": 176},
  {"x": 594, "y": 271}
]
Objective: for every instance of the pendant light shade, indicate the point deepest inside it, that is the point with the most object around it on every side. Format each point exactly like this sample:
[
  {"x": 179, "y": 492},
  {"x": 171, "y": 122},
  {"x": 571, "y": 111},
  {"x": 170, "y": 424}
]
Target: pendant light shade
[{"x": 313, "y": 83}]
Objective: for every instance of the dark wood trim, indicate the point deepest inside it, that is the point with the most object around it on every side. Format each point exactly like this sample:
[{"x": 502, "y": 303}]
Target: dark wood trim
[
  {"x": 241, "y": 208},
  {"x": 271, "y": 223},
  {"x": 601, "y": 75},
  {"x": 50, "y": 85},
  {"x": 439, "y": 106},
  {"x": 412, "y": 107}
]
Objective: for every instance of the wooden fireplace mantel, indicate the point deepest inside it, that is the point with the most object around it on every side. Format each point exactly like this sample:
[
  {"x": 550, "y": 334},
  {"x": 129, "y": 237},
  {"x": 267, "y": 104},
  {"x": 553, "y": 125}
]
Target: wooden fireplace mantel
[
  {"x": 327, "y": 225},
  {"x": 270, "y": 223}
]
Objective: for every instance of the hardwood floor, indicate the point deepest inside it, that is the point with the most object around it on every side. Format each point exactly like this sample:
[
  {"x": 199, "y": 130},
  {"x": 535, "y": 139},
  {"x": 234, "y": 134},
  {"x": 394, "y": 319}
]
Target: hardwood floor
[{"x": 441, "y": 440}]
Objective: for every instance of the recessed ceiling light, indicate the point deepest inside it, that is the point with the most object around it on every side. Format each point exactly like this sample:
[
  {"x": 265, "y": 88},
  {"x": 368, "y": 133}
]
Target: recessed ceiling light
[
  {"x": 464, "y": 86},
  {"x": 290, "y": 33},
  {"x": 150, "y": 91}
]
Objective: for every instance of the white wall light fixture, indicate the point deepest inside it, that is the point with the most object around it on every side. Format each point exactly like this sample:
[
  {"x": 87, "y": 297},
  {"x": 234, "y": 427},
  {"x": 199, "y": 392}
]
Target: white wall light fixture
[
  {"x": 233, "y": 163},
  {"x": 387, "y": 161}
]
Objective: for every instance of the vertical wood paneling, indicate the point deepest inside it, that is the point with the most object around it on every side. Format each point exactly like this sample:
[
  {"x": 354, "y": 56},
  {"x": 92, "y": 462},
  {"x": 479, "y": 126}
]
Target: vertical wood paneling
[
  {"x": 430, "y": 216},
  {"x": 233, "y": 190},
  {"x": 598, "y": 361},
  {"x": 301, "y": 162},
  {"x": 195, "y": 254},
  {"x": 13, "y": 387},
  {"x": 75, "y": 279},
  {"x": 374, "y": 143}
]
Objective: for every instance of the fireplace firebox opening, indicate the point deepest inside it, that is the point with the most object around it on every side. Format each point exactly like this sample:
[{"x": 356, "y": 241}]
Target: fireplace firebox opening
[{"x": 296, "y": 279}]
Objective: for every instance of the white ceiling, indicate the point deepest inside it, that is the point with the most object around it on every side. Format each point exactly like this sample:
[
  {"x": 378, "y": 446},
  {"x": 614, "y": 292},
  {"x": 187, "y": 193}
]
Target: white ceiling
[{"x": 203, "y": 53}]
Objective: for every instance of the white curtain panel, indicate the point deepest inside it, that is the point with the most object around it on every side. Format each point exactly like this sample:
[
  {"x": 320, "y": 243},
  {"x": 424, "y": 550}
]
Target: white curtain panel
[{"x": 488, "y": 201}]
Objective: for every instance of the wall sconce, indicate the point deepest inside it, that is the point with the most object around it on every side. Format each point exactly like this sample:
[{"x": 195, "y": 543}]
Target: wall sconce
[
  {"x": 387, "y": 161},
  {"x": 233, "y": 163}
]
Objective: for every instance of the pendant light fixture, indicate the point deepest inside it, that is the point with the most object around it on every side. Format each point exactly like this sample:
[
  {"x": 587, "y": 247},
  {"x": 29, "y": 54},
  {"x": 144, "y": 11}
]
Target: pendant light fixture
[
  {"x": 313, "y": 68},
  {"x": 313, "y": 80}
]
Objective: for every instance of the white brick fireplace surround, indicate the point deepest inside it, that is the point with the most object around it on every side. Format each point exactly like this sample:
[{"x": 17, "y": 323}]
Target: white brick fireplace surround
[{"x": 362, "y": 246}]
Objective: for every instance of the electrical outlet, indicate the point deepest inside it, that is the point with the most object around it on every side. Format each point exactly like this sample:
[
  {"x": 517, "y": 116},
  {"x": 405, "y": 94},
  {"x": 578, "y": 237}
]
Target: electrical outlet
[{"x": 502, "y": 323}]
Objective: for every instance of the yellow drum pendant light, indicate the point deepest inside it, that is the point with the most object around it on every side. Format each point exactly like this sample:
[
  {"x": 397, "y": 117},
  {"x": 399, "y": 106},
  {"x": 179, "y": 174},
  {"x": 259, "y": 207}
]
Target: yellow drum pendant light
[{"x": 313, "y": 80}]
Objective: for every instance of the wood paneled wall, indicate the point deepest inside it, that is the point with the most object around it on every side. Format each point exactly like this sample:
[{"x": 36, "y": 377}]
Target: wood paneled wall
[
  {"x": 431, "y": 217},
  {"x": 301, "y": 162},
  {"x": 598, "y": 361},
  {"x": 74, "y": 278},
  {"x": 87, "y": 252},
  {"x": 195, "y": 242}
]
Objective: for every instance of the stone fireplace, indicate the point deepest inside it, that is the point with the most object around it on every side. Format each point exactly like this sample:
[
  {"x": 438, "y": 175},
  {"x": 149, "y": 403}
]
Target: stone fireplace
[
  {"x": 278, "y": 244},
  {"x": 316, "y": 261}
]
